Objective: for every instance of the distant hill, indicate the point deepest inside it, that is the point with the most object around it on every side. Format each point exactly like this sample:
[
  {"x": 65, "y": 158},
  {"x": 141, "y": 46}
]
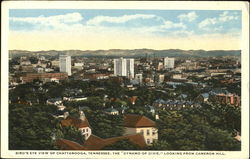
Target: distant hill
[{"x": 131, "y": 53}]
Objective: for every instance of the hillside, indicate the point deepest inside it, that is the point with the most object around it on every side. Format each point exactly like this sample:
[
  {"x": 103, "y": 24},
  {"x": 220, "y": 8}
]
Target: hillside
[{"x": 131, "y": 53}]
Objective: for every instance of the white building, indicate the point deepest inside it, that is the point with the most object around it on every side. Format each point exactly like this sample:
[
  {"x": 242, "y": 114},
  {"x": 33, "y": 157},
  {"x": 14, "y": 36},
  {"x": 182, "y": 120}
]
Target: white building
[
  {"x": 124, "y": 67},
  {"x": 80, "y": 123},
  {"x": 138, "y": 77},
  {"x": 168, "y": 62},
  {"x": 65, "y": 64},
  {"x": 140, "y": 124},
  {"x": 161, "y": 78}
]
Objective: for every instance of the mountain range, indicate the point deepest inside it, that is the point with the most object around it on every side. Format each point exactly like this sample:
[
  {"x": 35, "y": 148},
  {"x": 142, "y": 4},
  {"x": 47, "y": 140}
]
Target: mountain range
[{"x": 130, "y": 53}]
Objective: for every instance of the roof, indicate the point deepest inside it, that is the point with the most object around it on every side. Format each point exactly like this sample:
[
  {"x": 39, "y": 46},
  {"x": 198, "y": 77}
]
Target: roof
[
  {"x": 78, "y": 123},
  {"x": 238, "y": 138},
  {"x": 111, "y": 110},
  {"x": 135, "y": 121},
  {"x": 205, "y": 95},
  {"x": 97, "y": 143},
  {"x": 183, "y": 96},
  {"x": 64, "y": 144}
]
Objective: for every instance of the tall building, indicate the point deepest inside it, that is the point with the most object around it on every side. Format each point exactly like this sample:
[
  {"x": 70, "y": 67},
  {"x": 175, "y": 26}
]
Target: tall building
[
  {"x": 169, "y": 62},
  {"x": 124, "y": 67},
  {"x": 65, "y": 64}
]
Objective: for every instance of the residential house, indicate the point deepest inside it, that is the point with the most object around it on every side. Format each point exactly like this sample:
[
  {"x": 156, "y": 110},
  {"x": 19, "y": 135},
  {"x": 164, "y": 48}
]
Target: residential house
[
  {"x": 54, "y": 101},
  {"x": 80, "y": 123},
  {"x": 204, "y": 97},
  {"x": 111, "y": 111},
  {"x": 140, "y": 124}
]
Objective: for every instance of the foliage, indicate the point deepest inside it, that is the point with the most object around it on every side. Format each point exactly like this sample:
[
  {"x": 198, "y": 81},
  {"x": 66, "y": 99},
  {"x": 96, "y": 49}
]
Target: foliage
[
  {"x": 30, "y": 127},
  {"x": 190, "y": 130},
  {"x": 71, "y": 133},
  {"x": 104, "y": 125},
  {"x": 124, "y": 144},
  {"x": 160, "y": 145}
]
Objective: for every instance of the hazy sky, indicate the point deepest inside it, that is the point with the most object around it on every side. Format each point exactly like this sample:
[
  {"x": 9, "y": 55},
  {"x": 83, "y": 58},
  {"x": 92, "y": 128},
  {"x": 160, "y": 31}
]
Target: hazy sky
[{"x": 64, "y": 29}]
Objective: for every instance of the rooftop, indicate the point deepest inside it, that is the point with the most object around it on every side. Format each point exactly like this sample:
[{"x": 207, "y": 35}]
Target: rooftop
[
  {"x": 97, "y": 143},
  {"x": 78, "y": 123},
  {"x": 135, "y": 121}
]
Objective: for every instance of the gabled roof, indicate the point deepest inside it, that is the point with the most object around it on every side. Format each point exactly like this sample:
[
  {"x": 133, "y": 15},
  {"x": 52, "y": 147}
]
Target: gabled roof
[
  {"x": 97, "y": 143},
  {"x": 135, "y": 121},
  {"x": 78, "y": 123},
  {"x": 205, "y": 95},
  {"x": 64, "y": 144}
]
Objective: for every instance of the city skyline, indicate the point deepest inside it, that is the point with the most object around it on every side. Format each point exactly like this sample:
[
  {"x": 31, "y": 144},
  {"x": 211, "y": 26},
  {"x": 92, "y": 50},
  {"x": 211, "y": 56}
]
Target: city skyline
[{"x": 124, "y": 29}]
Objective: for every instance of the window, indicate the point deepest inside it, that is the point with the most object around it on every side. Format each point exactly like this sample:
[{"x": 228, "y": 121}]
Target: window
[
  {"x": 83, "y": 130},
  {"x": 153, "y": 133},
  {"x": 87, "y": 130},
  {"x": 142, "y": 132},
  {"x": 148, "y": 133},
  {"x": 148, "y": 141}
]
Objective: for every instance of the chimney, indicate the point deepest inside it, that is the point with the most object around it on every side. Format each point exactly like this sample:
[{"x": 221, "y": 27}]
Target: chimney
[
  {"x": 65, "y": 115},
  {"x": 82, "y": 115}
]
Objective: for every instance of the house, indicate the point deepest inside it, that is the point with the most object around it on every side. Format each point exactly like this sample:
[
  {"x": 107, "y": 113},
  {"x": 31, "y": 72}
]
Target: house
[
  {"x": 151, "y": 109},
  {"x": 174, "y": 104},
  {"x": 81, "y": 124},
  {"x": 224, "y": 97},
  {"x": 111, "y": 111},
  {"x": 97, "y": 143},
  {"x": 140, "y": 124},
  {"x": 229, "y": 98},
  {"x": 61, "y": 114},
  {"x": 54, "y": 101},
  {"x": 75, "y": 99},
  {"x": 133, "y": 99},
  {"x": 122, "y": 109},
  {"x": 202, "y": 97},
  {"x": 182, "y": 96}
]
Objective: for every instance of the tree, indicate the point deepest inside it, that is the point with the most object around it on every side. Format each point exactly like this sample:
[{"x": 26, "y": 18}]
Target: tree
[
  {"x": 73, "y": 134},
  {"x": 105, "y": 125},
  {"x": 160, "y": 145},
  {"x": 124, "y": 144},
  {"x": 217, "y": 139},
  {"x": 30, "y": 127}
]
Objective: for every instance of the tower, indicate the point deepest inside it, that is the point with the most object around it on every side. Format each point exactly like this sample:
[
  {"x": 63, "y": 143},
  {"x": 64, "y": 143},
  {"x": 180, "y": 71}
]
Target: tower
[
  {"x": 169, "y": 62},
  {"x": 124, "y": 67},
  {"x": 65, "y": 64}
]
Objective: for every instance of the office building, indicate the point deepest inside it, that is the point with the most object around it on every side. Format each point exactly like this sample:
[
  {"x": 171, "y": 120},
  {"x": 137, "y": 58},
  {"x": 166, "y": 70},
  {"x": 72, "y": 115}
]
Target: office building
[
  {"x": 124, "y": 67},
  {"x": 65, "y": 64},
  {"x": 168, "y": 62}
]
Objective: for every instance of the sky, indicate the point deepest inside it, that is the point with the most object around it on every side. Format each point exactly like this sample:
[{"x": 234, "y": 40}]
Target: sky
[{"x": 81, "y": 29}]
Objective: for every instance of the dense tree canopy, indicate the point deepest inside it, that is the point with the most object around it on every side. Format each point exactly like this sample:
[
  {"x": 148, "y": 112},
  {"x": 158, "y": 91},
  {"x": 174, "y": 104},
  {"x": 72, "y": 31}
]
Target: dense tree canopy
[
  {"x": 208, "y": 127},
  {"x": 124, "y": 144}
]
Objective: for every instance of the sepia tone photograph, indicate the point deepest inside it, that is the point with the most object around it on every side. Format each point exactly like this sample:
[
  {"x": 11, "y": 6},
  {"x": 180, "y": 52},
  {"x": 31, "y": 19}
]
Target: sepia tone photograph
[{"x": 124, "y": 81}]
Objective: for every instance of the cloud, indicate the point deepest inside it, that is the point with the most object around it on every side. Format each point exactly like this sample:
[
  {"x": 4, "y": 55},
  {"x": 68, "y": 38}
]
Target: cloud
[
  {"x": 191, "y": 16},
  {"x": 225, "y": 17},
  {"x": 210, "y": 23},
  {"x": 170, "y": 24},
  {"x": 74, "y": 22},
  {"x": 98, "y": 20},
  {"x": 51, "y": 22}
]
